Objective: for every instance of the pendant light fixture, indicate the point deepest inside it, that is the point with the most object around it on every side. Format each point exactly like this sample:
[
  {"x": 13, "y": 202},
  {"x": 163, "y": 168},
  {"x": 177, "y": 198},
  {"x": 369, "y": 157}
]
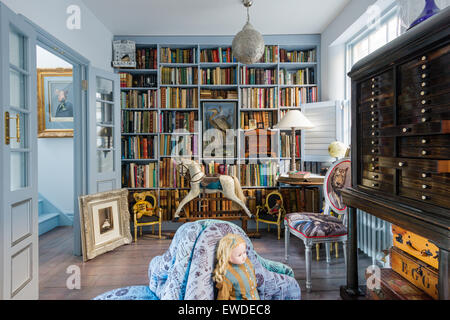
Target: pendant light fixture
[{"x": 248, "y": 44}]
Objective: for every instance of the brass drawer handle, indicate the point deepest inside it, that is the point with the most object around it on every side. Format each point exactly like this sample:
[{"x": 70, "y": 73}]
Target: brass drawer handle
[
  {"x": 424, "y": 67},
  {"x": 374, "y": 142},
  {"x": 425, "y": 198},
  {"x": 425, "y": 175},
  {"x": 424, "y": 186},
  {"x": 402, "y": 164},
  {"x": 375, "y": 177},
  {"x": 424, "y": 84},
  {"x": 424, "y": 58},
  {"x": 405, "y": 130},
  {"x": 424, "y": 76},
  {"x": 424, "y": 111},
  {"x": 425, "y": 119},
  {"x": 376, "y": 185},
  {"x": 424, "y": 102},
  {"x": 424, "y": 152},
  {"x": 374, "y": 159}
]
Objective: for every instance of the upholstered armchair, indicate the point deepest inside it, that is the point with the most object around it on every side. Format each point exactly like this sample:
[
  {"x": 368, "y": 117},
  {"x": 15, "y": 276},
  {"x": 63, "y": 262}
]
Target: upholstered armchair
[
  {"x": 272, "y": 212},
  {"x": 184, "y": 271}
]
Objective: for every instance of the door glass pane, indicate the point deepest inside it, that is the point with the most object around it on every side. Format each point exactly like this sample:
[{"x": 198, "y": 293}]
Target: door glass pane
[
  {"x": 104, "y": 89},
  {"x": 18, "y": 128},
  {"x": 17, "y": 50},
  {"x": 104, "y": 137},
  {"x": 17, "y": 91},
  {"x": 104, "y": 113},
  {"x": 19, "y": 170},
  {"x": 105, "y": 161}
]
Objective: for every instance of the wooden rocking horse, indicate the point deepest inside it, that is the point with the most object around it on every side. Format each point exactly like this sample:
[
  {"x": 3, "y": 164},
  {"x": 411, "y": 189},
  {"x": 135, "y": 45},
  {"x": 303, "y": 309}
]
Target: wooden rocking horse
[{"x": 229, "y": 186}]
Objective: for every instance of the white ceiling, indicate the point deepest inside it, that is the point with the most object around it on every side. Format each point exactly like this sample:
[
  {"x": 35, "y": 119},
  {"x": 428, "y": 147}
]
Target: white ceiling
[{"x": 214, "y": 17}]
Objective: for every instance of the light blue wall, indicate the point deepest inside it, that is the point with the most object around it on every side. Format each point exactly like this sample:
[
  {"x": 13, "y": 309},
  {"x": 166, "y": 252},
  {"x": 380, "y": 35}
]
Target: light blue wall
[{"x": 55, "y": 171}]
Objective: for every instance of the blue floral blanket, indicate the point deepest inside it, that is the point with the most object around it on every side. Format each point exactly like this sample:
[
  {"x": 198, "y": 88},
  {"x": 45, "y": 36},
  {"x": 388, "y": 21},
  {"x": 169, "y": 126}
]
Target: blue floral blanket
[{"x": 184, "y": 271}]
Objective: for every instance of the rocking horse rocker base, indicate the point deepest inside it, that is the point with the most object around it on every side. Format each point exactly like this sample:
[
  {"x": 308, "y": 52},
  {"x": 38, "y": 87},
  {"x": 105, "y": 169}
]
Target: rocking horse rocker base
[{"x": 229, "y": 186}]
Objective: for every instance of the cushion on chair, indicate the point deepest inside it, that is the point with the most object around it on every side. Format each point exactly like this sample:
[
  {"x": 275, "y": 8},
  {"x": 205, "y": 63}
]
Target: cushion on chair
[
  {"x": 314, "y": 225},
  {"x": 148, "y": 219},
  {"x": 268, "y": 217}
]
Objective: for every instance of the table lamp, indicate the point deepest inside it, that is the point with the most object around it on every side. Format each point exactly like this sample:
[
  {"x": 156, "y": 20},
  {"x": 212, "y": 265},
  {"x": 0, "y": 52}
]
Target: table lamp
[{"x": 294, "y": 120}]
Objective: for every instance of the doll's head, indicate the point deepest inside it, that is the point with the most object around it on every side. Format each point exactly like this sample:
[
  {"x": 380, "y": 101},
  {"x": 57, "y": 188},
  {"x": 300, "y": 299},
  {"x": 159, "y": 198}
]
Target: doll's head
[{"x": 232, "y": 249}]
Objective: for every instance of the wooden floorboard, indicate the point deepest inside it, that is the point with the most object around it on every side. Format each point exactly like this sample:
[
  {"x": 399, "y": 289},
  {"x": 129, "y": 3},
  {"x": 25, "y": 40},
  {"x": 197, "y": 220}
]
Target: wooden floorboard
[{"x": 128, "y": 266}]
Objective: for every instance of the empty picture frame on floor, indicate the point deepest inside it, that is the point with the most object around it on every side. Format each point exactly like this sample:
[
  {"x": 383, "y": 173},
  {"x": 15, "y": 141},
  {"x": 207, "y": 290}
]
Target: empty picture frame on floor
[{"x": 105, "y": 222}]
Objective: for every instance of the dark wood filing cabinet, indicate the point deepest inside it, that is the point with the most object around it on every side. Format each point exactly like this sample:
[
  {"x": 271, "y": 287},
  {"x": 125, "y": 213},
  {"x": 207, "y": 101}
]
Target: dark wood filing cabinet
[{"x": 401, "y": 141}]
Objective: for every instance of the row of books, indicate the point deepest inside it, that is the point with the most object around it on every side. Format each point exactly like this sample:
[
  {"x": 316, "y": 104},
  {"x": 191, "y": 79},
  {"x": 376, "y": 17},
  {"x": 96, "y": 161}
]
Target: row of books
[
  {"x": 262, "y": 174},
  {"x": 270, "y": 55},
  {"x": 219, "y": 55},
  {"x": 139, "y": 121},
  {"x": 298, "y": 55},
  {"x": 170, "y": 121},
  {"x": 139, "y": 176},
  {"x": 179, "y": 98},
  {"x": 219, "y": 76},
  {"x": 259, "y": 98},
  {"x": 285, "y": 145},
  {"x": 218, "y": 94},
  {"x": 297, "y": 77},
  {"x": 178, "y": 145},
  {"x": 169, "y": 200},
  {"x": 260, "y": 76},
  {"x": 169, "y": 176},
  {"x": 212, "y": 168},
  {"x": 139, "y": 99},
  {"x": 179, "y": 76},
  {"x": 146, "y": 58},
  {"x": 137, "y": 147},
  {"x": 265, "y": 118},
  {"x": 128, "y": 80},
  {"x": 294, "y": 97},
  {"x": 178, "y": 55}
]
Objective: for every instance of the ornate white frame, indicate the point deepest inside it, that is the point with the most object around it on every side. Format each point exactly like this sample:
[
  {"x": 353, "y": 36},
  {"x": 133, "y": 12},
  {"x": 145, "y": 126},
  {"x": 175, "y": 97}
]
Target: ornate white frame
[{"x": 89, "y": 248}]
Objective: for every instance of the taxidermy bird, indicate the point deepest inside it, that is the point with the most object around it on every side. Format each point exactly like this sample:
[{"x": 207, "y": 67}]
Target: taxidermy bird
[{"x": 219, "y": 121}]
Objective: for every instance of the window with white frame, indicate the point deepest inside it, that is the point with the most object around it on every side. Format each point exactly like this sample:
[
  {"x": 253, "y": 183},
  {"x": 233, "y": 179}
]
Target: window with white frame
[{"x": 386, "y": 29}]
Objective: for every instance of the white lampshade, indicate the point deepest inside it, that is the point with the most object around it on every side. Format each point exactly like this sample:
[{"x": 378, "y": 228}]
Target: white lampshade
[{"x": 294, "y": 119}]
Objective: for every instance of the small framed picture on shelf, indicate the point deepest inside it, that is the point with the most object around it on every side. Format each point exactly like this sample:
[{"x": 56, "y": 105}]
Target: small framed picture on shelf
[
  {"x": 252, "y": 124},
  {"x": 124, "y": 54},
  {"x": 105, "y": 222},
  {"x": 219, "y": 122}
]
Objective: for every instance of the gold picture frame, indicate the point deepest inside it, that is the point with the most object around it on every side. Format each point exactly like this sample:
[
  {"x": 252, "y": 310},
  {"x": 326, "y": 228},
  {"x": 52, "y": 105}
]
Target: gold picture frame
[
  {"x": 104, "y": 222},
  {"x": 49, "y": 82}
]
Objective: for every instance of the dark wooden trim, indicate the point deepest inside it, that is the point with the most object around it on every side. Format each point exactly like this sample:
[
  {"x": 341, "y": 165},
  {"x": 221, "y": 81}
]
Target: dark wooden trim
[
  {"x": 444, "y": 280},
  {"x": 411, "y": 220}
]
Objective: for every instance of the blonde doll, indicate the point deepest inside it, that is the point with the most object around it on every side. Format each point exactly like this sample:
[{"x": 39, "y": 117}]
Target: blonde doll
[{"x": 234, "y": 274}]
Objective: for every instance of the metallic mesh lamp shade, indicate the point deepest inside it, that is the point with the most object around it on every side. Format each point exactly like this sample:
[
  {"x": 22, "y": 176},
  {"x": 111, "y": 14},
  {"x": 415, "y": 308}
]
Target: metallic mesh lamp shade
[{"x": 248, "y": 45}]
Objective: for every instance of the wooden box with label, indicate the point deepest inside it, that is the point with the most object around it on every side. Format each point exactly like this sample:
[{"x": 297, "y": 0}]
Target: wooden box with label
[
  {"x": 415, "y": 271},
  {"x": 415, "y": 245}
]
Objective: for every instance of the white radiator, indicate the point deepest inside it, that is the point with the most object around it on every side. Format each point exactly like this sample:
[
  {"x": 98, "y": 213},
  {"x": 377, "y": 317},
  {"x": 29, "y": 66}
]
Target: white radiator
[{"x": 374, "y": 235}]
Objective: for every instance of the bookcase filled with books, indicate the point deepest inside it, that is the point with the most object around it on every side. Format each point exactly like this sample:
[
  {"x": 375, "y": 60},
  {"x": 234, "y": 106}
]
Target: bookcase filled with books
[{"x": 163, "y": 98}]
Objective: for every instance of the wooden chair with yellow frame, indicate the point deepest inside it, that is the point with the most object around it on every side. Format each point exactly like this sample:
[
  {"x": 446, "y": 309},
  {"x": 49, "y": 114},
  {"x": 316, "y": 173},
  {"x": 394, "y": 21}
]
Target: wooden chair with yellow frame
[
  {"x": 146, "y": 212},
  {"x": 272, "y": 212}
]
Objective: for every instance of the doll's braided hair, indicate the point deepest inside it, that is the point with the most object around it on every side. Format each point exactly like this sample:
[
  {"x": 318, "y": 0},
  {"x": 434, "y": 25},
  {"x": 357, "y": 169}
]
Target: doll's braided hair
[{"x": 226, "y": 245}]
